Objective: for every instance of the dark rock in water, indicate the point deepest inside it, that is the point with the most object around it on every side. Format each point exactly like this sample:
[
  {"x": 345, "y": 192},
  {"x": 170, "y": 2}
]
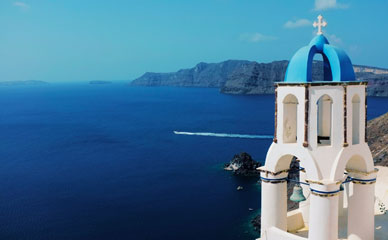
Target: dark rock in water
[
  {"x": 243, "y": 164},
  {"x": 99, "y": 82},
  {"x": 256, "y": 223}
]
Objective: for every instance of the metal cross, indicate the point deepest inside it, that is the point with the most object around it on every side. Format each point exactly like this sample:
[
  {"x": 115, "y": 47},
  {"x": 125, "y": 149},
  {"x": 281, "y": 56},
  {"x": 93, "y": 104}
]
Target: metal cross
[{"x": 321, "y": 23}]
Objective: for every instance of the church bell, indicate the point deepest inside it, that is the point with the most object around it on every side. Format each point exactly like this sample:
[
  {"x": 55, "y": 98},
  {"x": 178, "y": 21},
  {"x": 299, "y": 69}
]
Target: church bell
[{"x": 297, "y": 194}]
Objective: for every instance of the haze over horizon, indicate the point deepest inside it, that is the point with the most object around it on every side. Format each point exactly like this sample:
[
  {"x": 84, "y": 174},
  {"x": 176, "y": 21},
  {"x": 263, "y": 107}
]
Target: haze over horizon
[{"x": 99, "y": 40}]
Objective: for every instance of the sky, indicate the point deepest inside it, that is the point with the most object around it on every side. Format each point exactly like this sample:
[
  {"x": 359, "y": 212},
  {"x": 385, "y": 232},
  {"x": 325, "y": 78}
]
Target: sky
[{"x": 83, "y": 40}]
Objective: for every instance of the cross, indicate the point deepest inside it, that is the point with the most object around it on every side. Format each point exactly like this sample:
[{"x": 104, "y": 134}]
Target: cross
[{"x": 320, "y": 24}]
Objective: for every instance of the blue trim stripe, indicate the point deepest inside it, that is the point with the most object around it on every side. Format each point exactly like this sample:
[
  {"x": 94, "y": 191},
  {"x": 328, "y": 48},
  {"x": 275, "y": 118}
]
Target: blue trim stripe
[
  {"x": 322, "y": 192},
  {"x": 296, "y": 181},
  {"x": 273, "y": 179},
  {"x": 364, "y": 180}
]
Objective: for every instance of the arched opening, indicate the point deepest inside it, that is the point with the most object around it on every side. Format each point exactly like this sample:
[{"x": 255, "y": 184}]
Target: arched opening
[
  {"x": 358, "y": 164},
  {"x": 290, "y": 112},
  {"x": 274, "y": 195},
  {"x": 320, "y": 69},
  {"x": 317, "y": 68},
  {"x": 298, "y": 193},
  {"x": 356, "y": 119},
  {"x": 324, "y": 123}
]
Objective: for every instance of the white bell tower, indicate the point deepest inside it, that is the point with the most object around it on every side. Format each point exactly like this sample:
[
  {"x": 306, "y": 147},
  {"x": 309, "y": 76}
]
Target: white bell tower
[{"x": 323, "y": 125}]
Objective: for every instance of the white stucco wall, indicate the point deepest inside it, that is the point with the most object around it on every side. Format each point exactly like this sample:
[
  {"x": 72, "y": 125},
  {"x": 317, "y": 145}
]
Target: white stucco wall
[
  {"x": 298, "y": 92},
  {"x": 324, "y": 156},
  {"x": 278, "y": 234}
]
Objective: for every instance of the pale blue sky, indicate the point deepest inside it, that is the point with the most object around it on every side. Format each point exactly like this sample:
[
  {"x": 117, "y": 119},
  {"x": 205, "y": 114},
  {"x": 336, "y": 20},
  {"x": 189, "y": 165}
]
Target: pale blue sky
[{"x": 81, "y": 40}]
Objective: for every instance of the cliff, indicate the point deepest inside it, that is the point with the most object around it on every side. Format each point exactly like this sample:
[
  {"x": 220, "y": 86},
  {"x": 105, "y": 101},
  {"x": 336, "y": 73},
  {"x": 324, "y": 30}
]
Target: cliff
[
  {"x": 202, "y": 75},
  {"x": 248, "y": 77},
  {"x": 377, "y": 132}
]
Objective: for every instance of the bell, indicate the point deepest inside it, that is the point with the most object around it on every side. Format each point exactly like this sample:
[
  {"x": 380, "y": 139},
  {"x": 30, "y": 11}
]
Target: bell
[
  {"x": 341, "y": 187},
  {"x": 297, "y": 194}
]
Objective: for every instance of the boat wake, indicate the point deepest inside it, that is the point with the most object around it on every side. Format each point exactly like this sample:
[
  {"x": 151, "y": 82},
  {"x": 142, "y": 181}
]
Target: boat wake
[{"x": 227, "y": 135}]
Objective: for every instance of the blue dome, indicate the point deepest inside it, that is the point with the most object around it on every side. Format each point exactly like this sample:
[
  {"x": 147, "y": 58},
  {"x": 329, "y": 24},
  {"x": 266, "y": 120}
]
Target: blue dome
[{"x": 337, "y": 65}]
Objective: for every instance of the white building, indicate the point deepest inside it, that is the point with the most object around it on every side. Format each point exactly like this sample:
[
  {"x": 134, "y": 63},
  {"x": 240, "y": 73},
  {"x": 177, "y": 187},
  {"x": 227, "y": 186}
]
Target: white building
[{"x": 323, "y": 124}]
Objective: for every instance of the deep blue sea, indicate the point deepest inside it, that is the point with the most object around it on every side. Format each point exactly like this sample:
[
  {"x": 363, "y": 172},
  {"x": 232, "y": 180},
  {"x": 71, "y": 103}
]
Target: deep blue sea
[{"x": 82, "y": 161}]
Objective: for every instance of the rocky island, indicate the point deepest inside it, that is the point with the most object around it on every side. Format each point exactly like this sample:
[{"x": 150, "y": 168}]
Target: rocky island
[
  {"x": 243, "y": 164},
  {"x": 250, "y": 77}
]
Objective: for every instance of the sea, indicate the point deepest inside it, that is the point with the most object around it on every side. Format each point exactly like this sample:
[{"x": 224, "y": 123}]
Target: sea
[{"x": 102, "y": 161}]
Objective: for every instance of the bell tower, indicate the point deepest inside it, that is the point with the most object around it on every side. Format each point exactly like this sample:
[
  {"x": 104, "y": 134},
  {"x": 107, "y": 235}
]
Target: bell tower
[{"x": 323, "y": 125}]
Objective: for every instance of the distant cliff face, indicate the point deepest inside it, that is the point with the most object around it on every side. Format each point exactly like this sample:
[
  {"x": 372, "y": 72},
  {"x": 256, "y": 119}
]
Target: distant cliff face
[
  {"x": 202, "y": 75},
  {"x": 377, "y": 84},
  {"x": 246, "y": 77},
  {"x": 255, "y": 78}
]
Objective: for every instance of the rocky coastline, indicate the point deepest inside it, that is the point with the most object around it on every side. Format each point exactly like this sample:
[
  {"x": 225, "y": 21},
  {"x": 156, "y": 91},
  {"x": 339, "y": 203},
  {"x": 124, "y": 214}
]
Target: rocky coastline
[
  {"x": 377, "y": 133},
  {"x": 250, "y": 77}
]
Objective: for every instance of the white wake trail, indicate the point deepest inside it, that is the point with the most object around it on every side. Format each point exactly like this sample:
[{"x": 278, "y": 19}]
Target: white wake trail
[{"x": 207, "y": 134}]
